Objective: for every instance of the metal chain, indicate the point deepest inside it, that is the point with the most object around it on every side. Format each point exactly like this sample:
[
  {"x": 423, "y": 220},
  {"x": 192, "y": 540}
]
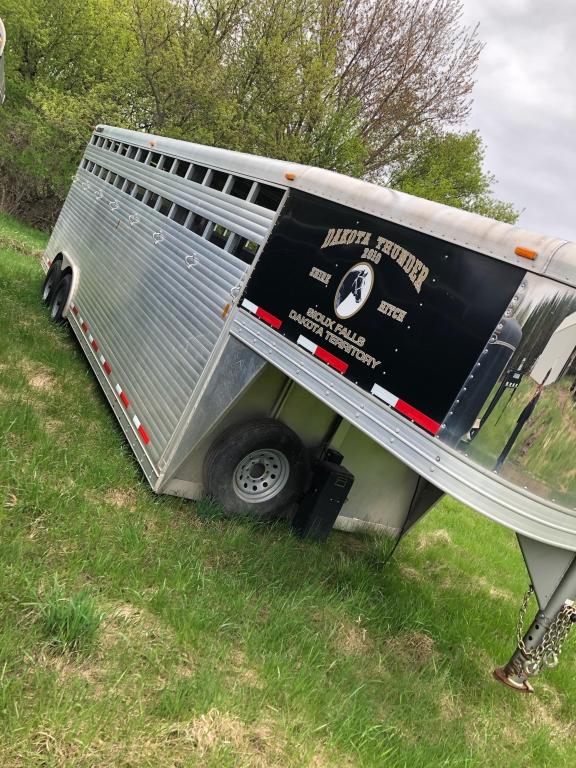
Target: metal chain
[{"x": 548, "y": 649}]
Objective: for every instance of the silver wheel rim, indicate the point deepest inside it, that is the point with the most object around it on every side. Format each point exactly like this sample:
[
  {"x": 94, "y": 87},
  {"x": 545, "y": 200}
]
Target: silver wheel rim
[
  {"x": 261, "y": 475},
  {"x": 47, "y": 289},
  {"x": 57, "y": 303}
]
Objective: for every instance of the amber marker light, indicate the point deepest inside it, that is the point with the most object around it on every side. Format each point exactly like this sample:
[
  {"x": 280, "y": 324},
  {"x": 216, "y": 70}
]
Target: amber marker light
[
  {"x": 526, "y": 253},
  {"x": 225, "y": 311},
  {"x": 290, "y": 176}
]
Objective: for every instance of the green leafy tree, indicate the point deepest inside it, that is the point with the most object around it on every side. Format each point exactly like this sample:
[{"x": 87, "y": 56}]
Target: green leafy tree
[
  {"x": 448, "y": 168},
  {"x": 348, "y": 85},
  {"x": 69, "y": 69}
]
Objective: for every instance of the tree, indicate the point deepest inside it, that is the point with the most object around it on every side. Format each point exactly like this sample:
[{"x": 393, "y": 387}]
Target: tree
[
  {"x": 409, "y": 64},
  {"x": 448, "y": 168},
  {"x": 349, "y": 85},
  {"x": 258, "y": 77},
  {"x": 70, "y": 68}
]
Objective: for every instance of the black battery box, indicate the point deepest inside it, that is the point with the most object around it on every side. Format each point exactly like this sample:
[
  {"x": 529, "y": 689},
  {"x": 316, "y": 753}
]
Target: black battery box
[{"x": 319, "y": 508}]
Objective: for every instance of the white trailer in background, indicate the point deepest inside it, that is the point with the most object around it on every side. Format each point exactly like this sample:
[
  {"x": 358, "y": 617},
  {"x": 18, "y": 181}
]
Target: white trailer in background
[{"x": 253, "y": 321}]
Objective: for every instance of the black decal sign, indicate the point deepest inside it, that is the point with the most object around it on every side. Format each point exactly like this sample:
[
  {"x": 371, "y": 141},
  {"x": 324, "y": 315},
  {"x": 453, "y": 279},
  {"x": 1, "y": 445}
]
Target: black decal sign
[{"x": 402, "y": 314}]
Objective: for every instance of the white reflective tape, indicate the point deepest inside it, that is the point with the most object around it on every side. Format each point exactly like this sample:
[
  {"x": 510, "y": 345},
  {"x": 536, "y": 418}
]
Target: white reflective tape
[
  {"x": 307, "y": 344},
  {"x": 136, "y": 421},
  {"x": 90, "y": 338},
  {"x": 102, "y": 359},
  {"x": 81, "y": 320},
  {"x": 249, "y": 306},
  {"x": 118, "y": 389},
  {"x": 384, "y": 395}
]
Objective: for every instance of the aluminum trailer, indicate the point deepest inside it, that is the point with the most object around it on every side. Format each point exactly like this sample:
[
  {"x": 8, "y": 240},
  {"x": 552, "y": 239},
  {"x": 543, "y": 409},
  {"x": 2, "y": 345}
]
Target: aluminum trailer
[{"x": 243, "y": 314}]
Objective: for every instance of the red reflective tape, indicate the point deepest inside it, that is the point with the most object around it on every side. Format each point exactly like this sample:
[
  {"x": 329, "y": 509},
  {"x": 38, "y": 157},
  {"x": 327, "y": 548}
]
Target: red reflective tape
[
  {"x": 94, "y": 345},
  {"x": 417, "y": 416},
  {"x": 75, "y": 309},
  {"x": 268, "y": 318},
  {"x": 124, "y": 399},
  {"x": 331, "y": 360},
  {"x": 107, "y": 367},
  {"x": 84, "y": 327},
  {"x": 143, "y": 434}
]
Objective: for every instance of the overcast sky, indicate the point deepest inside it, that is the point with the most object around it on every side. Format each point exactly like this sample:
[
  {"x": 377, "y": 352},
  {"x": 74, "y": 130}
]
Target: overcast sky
[{"x": 525, "y": 106}]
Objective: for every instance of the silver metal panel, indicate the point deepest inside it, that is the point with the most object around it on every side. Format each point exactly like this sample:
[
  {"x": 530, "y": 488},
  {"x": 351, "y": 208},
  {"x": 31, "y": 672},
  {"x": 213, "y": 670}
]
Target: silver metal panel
[
  {"x": 383, "y": 486},
  {"x": 256, "y": 401},
  {"x": 562, "y": 266},
  {"x": 131, "y": 435},
  {"x": 152, "y": 291},
  {"x": 486, "y": 236},
  {"x": 235, "y": 370},
  {"x": 445, "y": 468},
  {"x": 546, "y": 566}
]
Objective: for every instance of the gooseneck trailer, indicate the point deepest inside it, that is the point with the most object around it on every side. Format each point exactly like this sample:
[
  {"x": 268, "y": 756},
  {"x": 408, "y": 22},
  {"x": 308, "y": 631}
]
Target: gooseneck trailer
[{"x": 254, "y": 323}]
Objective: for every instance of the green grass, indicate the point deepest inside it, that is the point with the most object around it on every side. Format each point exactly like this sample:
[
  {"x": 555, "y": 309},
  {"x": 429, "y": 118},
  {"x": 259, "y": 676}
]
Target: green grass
[
  {"x": 213, "y": 642},
  {"x": 70, "y": 622}
]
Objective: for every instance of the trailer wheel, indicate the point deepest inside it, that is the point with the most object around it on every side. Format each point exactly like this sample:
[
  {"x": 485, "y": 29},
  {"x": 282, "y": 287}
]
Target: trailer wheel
[
  {"x": 259, "y": 467},
  {"x": 60, "y": 298},
  {"x": 51, "y": 281}
]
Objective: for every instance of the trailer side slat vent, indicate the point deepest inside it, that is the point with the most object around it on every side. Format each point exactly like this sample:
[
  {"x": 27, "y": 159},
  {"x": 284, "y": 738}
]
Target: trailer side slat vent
[
  {"x": 107, "y": 368},
  {"x": 232, "y": 242},
  {"x": 268, "y": 196}
]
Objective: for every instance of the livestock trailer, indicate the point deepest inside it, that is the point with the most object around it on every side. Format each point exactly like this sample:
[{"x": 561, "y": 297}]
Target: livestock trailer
[{"x": 253, "y": 323}]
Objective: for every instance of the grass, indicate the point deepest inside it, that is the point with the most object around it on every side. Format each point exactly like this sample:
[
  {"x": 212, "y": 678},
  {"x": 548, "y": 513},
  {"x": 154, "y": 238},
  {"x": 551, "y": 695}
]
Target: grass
[
  {"x": 70, "y": 622},
  {"x": 137, "y": 631}
]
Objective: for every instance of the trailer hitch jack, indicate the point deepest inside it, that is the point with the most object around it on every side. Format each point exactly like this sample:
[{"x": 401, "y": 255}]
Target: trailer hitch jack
[
  {"x": 514, "y": 677},
  {"x": 540, "y": 647}
]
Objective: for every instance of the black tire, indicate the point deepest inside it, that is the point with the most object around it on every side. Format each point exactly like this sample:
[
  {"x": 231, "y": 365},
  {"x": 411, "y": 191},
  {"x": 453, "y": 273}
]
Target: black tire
[
  {"x": 51, "y": 281},
  {"x": 259, "y": 468},
  {"x": 59, "y": 299}
]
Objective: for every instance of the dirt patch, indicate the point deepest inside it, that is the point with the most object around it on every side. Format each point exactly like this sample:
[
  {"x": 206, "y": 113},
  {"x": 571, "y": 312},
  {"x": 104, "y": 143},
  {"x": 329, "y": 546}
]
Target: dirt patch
[
  {"x": 38, "y": 376},
  {"x": 138, "y": 627},
  {"x": 254, "y": 746},
  {"x": 449, "y": 707},
  {"x": 53, "y": 426},
  {"x": 413, "y": 649},
  {"x": 410, "y": 573},
  {"x": 441, "y": 536},
  {"x": 352, "y": 639},
  {"x": 546, "y": 713},
  {"x": 481, "y": 584},
  {"x": 500, "y": 594},
  {"x": 67, "y": 666},
  {"x": 243, "y": 671},
  {"x": 120, "y": 497}
]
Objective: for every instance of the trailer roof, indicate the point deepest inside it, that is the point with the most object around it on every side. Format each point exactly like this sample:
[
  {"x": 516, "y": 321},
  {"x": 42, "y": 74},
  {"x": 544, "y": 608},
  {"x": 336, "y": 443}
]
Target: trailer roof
[{"x": 553, "y": 256}]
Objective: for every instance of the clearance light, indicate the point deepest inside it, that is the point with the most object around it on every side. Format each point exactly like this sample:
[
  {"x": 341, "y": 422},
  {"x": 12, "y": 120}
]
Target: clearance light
[
  {"x": 290, "y": 176},
  {"x": 526, "y": 253},
  {"x": 225, "y": 311}
]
